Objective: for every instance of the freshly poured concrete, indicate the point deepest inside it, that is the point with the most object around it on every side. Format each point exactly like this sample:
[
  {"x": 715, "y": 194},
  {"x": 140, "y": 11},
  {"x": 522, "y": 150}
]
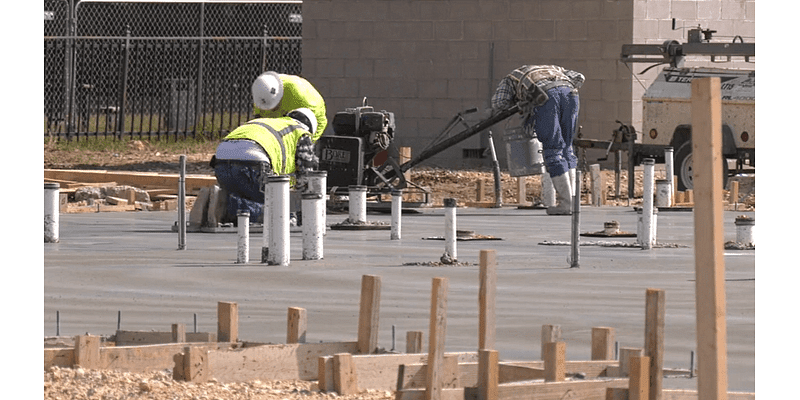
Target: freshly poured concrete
[{"x": 129, "y": 263}]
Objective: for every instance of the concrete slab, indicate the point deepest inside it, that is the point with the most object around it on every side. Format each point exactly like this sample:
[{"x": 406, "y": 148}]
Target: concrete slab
[{"x": 129, "y": 263}]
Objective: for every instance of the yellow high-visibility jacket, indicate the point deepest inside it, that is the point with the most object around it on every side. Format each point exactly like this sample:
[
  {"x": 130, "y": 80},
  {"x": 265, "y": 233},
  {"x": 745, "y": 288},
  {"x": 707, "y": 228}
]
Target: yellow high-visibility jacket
[{"x": 298, "y": 93}]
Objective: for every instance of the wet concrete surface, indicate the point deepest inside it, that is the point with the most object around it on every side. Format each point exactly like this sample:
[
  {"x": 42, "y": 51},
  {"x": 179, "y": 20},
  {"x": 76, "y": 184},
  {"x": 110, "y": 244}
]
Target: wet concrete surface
[{"x": 128, "y": 264}]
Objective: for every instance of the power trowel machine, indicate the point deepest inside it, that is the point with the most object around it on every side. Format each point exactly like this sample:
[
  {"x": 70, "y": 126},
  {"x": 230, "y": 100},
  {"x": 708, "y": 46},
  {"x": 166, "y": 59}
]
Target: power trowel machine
[{"x": 364, "y": 134}]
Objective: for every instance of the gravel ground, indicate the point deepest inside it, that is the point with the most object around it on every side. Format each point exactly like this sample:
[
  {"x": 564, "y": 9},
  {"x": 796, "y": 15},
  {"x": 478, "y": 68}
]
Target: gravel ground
[{"x": 83, "y": 384}]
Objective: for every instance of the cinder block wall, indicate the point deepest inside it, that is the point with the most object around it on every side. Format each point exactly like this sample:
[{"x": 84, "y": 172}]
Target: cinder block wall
[{"x": 427, "y": 60}]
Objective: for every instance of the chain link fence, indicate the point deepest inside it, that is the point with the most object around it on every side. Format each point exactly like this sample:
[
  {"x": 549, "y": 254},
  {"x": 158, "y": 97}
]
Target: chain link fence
[{"x": 152, "y": 70}]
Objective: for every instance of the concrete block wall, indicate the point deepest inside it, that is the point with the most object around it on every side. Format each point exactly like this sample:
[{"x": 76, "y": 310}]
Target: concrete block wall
[{"x": 427, "y": 60}]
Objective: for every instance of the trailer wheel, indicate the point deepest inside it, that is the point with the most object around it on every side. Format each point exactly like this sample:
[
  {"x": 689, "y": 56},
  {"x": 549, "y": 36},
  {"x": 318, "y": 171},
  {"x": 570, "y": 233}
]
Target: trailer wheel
[{"x": 683, "y": 167}]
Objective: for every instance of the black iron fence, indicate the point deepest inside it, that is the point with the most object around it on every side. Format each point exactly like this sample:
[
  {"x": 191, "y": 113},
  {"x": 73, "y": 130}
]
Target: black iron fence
[{"x": 161, "y": 69}]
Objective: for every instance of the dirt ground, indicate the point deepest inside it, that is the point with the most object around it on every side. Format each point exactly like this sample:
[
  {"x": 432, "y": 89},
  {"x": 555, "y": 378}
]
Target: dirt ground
[
  {"x": 442, "y": 183},
  {"x": 60, "y": 383}
]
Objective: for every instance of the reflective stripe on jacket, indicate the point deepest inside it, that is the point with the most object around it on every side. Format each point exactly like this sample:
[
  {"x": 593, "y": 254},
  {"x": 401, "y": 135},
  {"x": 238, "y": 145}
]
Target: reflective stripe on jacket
[{"x": 278, "y": 137}]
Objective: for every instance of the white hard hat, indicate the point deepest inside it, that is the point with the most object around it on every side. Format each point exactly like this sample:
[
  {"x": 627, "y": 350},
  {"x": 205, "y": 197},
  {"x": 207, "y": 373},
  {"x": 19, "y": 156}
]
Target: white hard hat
[
  {"x": 305, "y": 117},
  {"x": 267, "y": 90}
]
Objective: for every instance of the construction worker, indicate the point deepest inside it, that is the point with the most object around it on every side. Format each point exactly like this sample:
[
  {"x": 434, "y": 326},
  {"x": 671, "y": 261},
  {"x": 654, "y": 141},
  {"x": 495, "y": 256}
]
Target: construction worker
[
  {"x": 275, "y": 94},
  {"x": 258, "y": 149},
  {"x": 549, "y": 102}
]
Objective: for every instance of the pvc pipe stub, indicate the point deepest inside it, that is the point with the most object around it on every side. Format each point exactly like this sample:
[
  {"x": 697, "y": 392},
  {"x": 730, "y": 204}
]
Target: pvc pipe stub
[
  {"x": 51, "y": 186},
  {"x": 278, "y": 178}
]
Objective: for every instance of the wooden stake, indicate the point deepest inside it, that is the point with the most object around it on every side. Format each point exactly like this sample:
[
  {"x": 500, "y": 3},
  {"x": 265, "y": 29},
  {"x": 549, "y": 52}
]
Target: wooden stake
[
  {"x": 344, "y": 378},
  {"x": 296, "y": 325},
  {"x": 655, "y": 311},
  {"x": 87, "y": 351},
  {"x": 602, "y": 343},
  {"x": 625, "y": 355},
  {"x": 486, "y": 300},
  {"x": 488, "y": 374},
  {"x": 227, "y": 322},
  {"x": 550, "y": 334},
  {"x": 734, "y": 196},
  {"x": 480, "y": 190},
  {"x": 639, "y": 386},
  {"x": 522, "y": 191},
  {"x": 707, "y": 161},
  {"x": 597, "y": 185},
  {"x": 369, "y": 315},
  {"x": 414, "y": 342},
  {"x": 438, "y": 330},
  {"x": 179, "y": 333},
  {"x": 555, "y": 369}
]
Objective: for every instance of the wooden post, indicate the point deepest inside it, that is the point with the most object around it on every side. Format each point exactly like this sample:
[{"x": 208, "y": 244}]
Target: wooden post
[
  {"x": 325, "y": 374},
  {"x": 414, "y": 342},
  {"x": 555, "y": 369},
  {"x": 625, "y": 355},
  {"x": 87, "y": 351},
  {"x": 639, "y": 384},
  {"x": 480, "y": 190},
  {"x": 178, "y": 333},
  {"x": 486, "y": 299},
  {"x": 597, "y": 185},
  {"x": 550, "y": 334},
  {"x": 488, "y": 374},
  {"x": 712, "y": 374},
  {"x": 436, "y": 339},
  {"x": 602, "y": 343},
  {"x": 404, "y": 156},
  {"x": 522, "y": 191},
  {"x": 688, "y": 194},
  {"x": 344, "y": 374},
  {"x": 195, "y": 364},
  {"x": 227, "y": 322},
  {"x": 654, "y": 339},
  {"x": 734, "y": 195},
  {"x": 296, "y": 325},
  {"x": 369, "y": 315}
]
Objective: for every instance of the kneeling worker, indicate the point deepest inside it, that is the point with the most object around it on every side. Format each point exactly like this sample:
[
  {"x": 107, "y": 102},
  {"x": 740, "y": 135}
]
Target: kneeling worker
[{"x": 260, "y": 148}]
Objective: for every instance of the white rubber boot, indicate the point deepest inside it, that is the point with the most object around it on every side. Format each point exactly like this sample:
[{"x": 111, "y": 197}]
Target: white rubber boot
[{"x": 563, "y": 188}]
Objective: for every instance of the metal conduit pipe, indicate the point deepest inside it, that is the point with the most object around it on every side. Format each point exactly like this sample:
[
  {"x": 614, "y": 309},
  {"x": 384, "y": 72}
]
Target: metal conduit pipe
[
  {"x": 647, "y": 239},
  {"x": 450, "y": 251}
]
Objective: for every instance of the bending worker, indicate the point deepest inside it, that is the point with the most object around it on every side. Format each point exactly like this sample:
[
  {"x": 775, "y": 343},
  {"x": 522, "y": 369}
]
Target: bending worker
[
  {"x": 549, "y": 103},
  {"x": 260, "y": 148},
  {"x": 275, "y": 94}
]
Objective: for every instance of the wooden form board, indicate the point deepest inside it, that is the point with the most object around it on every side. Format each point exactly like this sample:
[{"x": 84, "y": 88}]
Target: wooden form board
[
  {"x": 140, "y": 338},
  {"x": 143, "y": 180},
  {"x": 270, "y": 362},
  {"x": 712, "y": 374},
  {"x": 128, "y": 358},
  {"x": 584, "y": 390}
]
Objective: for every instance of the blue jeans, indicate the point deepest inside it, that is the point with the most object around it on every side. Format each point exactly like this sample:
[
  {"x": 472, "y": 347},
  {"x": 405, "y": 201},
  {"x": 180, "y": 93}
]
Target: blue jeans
[
  {"x": 245, "y": 189},
  {"x": 555, "y": 123}
]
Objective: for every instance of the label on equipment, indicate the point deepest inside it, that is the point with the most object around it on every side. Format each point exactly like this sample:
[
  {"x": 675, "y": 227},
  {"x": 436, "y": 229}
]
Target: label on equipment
[{"x": 336, "y": 155}]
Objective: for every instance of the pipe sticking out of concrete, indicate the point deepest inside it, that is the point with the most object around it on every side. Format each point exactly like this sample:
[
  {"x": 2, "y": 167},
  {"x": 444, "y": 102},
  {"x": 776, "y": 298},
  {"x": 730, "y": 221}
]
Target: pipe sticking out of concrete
[
  {"x": 647, "y": 238},
  {"x": 318, "y": 183},
  {"x": 397, "y": 213},
  {"x": 313, "y": 206},
  {"x": 243, "y": 243},
  {"x": 450, "y": 251},
  {"x": 51, "y": 216},
  {"x": 640, "y": 225},
  {"x": 182, "y": 205},
  {"x": 669, "y": 165},
  {"x": 278, "y": 253},
  {"x": 663, "y": 193},
  {"x": 265, "y": 216},
  {"x": 575, "y": 254},
  {"x": 745, "y": 230},
  {"x": 357, "y": 204}
]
